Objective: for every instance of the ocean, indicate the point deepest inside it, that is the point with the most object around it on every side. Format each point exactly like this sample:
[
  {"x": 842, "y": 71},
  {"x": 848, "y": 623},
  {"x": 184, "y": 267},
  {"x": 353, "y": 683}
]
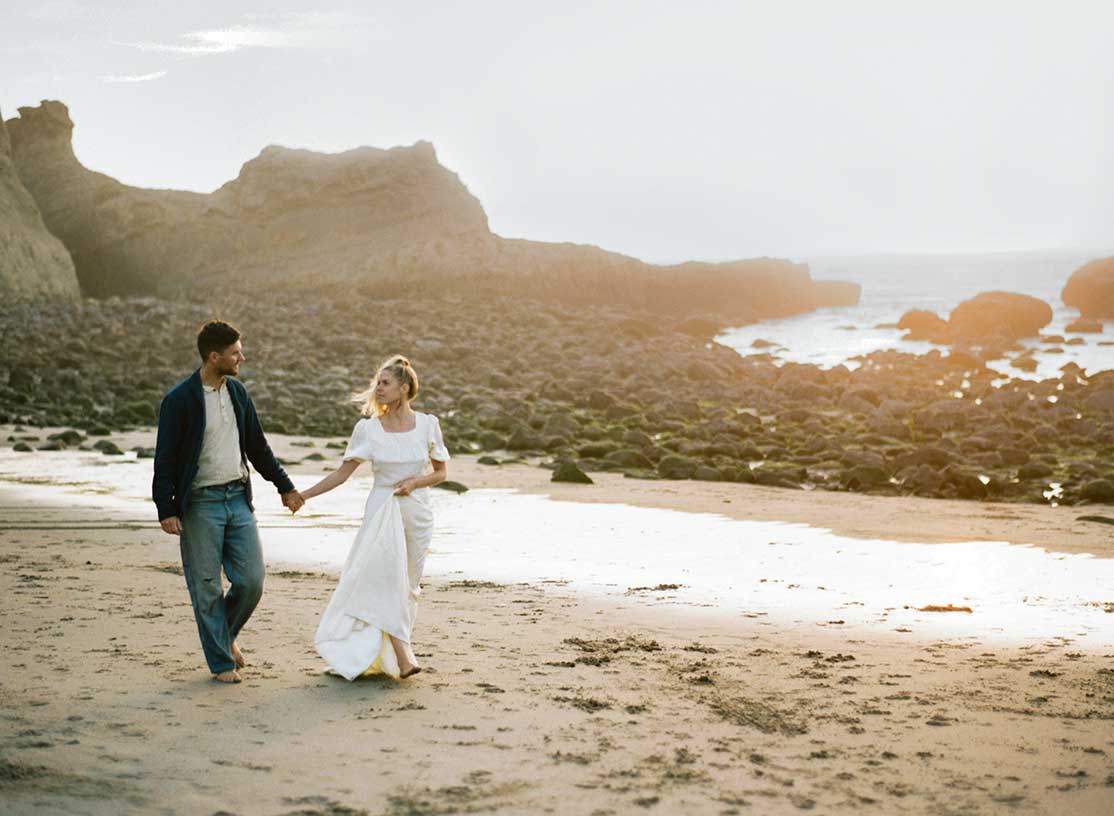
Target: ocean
[{"x": 894, "y": 284}]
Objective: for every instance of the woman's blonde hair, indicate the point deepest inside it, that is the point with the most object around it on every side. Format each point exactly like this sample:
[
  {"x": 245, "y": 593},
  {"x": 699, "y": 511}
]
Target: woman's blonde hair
[{"x": 399, "y": 368}]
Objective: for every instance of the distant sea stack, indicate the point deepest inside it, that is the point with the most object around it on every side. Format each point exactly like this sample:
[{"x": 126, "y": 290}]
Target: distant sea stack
[
  {"x": 1090, "y": 289},
  {"x": 33, "y": 263},
  {"x": 366, "y": 222}
]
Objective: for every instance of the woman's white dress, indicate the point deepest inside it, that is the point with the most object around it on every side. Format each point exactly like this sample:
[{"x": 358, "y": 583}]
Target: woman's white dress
[{"x": 378, "y": 589}]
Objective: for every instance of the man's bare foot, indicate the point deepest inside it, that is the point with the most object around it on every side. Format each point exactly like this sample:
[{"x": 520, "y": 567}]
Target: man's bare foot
[
  {"x": 230, "y": 676},
  {"x": 238, "y": 656}
]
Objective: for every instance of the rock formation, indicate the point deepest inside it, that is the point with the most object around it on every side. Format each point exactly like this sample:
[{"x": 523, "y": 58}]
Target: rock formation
[
  {"x": 33, "y": 263},
  {"x": 1004, "y": 314},
  {"x": 1090, "y": 289},
  {"x": 364, "y": 223},
  {"x": 989, "y": 318}
]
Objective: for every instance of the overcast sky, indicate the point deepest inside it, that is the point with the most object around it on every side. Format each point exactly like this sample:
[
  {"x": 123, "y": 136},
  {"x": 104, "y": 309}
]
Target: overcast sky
[{"x": 668, "y": 131}]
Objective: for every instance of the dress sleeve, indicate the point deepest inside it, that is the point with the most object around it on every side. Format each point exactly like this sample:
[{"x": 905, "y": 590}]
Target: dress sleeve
[
  {"x": 359, "y": 446},
  {"x": 437, "y": 449}
]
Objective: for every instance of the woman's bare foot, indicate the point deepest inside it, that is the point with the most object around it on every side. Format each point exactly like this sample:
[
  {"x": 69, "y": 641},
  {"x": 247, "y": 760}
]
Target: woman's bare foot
[
  {"x": 230, "y": 676},
  {"x": 238, "y": 656},
  {"x": 407, "y": 664}
]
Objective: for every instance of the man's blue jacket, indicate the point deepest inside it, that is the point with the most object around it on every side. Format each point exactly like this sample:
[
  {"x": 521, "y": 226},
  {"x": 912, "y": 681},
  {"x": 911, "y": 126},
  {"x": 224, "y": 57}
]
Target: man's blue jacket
[{"x": 178, "y": 449}]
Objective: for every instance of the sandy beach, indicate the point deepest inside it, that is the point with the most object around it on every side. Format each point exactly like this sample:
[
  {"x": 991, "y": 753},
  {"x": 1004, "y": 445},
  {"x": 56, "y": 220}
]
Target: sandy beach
[{"x": 536, "y": 698}]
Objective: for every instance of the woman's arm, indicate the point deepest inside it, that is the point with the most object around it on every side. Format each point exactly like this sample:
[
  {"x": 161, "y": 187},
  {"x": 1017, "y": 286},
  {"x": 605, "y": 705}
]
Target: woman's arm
[
  {"x": 334, "y": 479},
  {"x": 407, "y": 485}
]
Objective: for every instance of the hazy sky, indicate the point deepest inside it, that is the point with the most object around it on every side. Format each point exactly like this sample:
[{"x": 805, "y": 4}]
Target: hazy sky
[{"x": 664, "y": 130}]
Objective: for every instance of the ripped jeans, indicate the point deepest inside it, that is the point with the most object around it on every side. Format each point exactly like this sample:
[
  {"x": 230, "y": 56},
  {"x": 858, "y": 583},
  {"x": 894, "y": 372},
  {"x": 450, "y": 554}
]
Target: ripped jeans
[{"x": 218, "y": 531}]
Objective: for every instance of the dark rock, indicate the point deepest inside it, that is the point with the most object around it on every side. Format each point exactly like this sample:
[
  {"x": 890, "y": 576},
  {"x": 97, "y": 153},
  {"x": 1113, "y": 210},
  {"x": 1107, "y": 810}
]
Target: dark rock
[
  {"x": 21, "y": 447},
  {"x": 596, "y": 450},
  {"x": 451, "y": 486},
  {"x": 1100, "y": 491},
  {"x": 861, "y": 476},
  {"x": 967, "y": 485},
  {"x": 68, "y": 438},
  {"x": 927, "y": 455},
  {"x": 489, "y": 440},
  {"x": 599, "y": 400},
  {"x": 107, "y": 447},
  {"x": 525, "y": 439},
  {"x": 487, "y": 460},
  {"x": 1013, "y": 456},
  {"x": 630, "y": 459},
  {"x": 922, "y": 479},
  {"x": 1034, "y": 470},
  {"x": 780, "y": 476},
  {"x": 1101, "y": 400},
  {"x": 567, "y": 471},
  {"x": 677, "y": 467},
  {"x": 639, "y": 439},
  {"x": 705, "y": 473}
]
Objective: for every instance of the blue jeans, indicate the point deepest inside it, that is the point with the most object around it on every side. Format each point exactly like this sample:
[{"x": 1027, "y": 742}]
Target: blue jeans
[{"x": 218, "y": 531}]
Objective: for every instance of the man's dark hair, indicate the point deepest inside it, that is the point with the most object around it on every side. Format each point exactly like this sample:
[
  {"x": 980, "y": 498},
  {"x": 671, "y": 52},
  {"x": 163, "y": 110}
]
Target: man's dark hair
[{"x": 216, "y": 335}]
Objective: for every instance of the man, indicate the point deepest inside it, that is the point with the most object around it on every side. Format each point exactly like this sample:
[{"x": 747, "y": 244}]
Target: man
[{"x": 208, "y": 431}]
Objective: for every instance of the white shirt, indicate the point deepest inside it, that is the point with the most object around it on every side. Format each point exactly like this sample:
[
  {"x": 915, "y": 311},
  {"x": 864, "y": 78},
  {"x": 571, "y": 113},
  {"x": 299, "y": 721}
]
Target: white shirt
[{"x": 220, "y": 460}]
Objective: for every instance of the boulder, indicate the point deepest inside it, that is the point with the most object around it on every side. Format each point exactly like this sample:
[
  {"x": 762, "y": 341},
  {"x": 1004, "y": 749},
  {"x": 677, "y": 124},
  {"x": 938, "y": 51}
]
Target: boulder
[
  {"x": 524, "y": 439},
  {"x": 921, "y": 324},
  {"x": 1100, "y": 491},
  {"x": 1034, "y": 470},
  {"x": 34, "y": 264},
  {"x": 921, "y": 479},
  {"x": 706, "y": 473},
  {"x": 927, "y": 455},
  {"x": 863, "y": 476},
  {"x": 568, "y": 472},
  {"x": 677, "y": 467},
  {"x": 1090, "y": 289},
  {"x": 1101, "y": 400},
  {"x": 967, "y": 484},
  {"x": 993, "y": 315},
  {"x": 629, "y": 459}
]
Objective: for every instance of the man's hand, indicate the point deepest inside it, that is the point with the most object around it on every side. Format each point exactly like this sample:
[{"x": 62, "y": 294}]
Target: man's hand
[
  {"x": 171, "y": 525},
  {"x": 293, "y": 501}
]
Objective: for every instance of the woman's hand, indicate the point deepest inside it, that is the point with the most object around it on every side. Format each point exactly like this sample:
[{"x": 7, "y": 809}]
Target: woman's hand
[{"x": 404, "y": 487}]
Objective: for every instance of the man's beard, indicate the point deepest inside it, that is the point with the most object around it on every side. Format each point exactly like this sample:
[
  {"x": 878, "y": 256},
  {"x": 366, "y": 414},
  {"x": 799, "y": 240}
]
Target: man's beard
[{"x": 228, "y": 371}]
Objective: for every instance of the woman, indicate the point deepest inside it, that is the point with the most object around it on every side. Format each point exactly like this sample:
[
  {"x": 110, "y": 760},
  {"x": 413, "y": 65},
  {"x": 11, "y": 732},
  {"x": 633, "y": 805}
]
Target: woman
[{"x": 366, "y": 626}]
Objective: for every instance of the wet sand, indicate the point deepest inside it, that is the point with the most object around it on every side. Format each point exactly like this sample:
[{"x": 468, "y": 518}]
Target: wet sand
[{"x": 534, "y": 698}]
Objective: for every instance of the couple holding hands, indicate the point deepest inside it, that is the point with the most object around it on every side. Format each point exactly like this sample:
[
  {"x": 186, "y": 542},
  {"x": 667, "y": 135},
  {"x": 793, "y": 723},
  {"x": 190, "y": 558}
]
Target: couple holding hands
[{"x": 209, "y": 431}]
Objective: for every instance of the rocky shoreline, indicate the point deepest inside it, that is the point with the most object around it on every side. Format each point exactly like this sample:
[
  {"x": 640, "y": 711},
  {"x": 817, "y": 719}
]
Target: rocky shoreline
[{"x": 610, "y": 389}]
